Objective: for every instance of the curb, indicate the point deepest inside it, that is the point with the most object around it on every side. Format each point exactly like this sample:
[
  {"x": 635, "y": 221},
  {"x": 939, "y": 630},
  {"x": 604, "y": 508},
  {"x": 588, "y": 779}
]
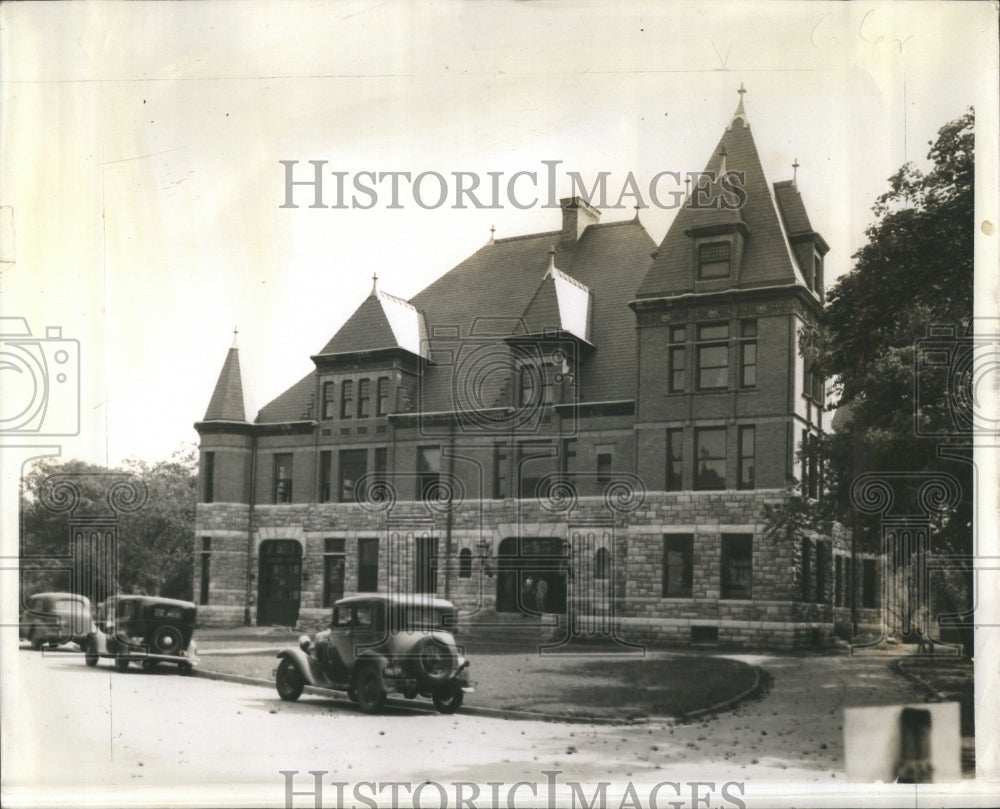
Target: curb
[
  {"x": 732, "y": 702},
  {"x": 504, "y": 713}
]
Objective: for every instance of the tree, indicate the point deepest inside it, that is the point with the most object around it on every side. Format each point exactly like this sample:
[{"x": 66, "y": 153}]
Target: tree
[
  {"x": 155, "y": 538},
  {"x": 914, "y": 272}
]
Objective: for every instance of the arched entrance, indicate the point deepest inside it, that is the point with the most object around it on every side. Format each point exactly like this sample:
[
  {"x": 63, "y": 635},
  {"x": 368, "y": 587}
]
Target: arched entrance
[
  {"x": 531, "y": 575},
  {"x": 279, "y": 582}
]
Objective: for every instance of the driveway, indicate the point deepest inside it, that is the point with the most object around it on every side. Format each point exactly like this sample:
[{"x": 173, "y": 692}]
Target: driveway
[{"x": 70, "y": 730}]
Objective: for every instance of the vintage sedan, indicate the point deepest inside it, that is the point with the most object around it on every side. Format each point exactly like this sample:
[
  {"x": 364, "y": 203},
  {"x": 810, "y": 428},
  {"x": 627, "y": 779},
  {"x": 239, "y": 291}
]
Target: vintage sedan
[
  {"x": 55, "y": 618},
  {"x": 381, "y": 644},
  {"x": 145, "y": 630}
]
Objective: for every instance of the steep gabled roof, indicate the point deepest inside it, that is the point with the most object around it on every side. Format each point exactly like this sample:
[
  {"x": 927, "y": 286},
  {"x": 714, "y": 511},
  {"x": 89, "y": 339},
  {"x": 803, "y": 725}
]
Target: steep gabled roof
[
  {"x": 381, "y": 321},
  {"x": 767, "y": 255},
  {"x": 227, "y": 403},
  {"x": 491, "y": 291}
]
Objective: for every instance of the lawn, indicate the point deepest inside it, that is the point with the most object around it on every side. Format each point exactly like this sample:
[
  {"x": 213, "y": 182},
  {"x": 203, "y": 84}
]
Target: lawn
[{"x": 613, "y": 687}]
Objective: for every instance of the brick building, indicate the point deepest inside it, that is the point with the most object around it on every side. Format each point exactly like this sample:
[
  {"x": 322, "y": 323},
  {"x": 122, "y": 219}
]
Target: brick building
[{"x": 573, "y": 423}]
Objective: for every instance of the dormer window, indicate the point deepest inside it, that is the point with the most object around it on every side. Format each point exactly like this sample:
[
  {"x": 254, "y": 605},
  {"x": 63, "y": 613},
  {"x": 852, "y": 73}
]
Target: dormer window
[{"x": 714, "y": 260}]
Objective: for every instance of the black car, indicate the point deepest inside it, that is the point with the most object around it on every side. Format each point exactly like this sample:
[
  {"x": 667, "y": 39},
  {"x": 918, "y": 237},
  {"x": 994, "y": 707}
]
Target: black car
[
  {"x": 381, "y": 644},
  {"x": 145, "y": 630}
]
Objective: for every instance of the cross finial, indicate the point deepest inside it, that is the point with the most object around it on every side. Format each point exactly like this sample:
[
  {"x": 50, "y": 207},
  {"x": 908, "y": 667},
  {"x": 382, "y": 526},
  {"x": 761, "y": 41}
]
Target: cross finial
[
  {"x": 493, "y": 230},
  {"x": 637, "y": 207},
  {"x": 374, "y": 283},
  {"x": 722, "y": 164},
  {"x": 687, "y": 187},
  {"x": 236, "y": 331},
  {"x": 795, "y": 173},
  {"x": 740, "y": 113}
]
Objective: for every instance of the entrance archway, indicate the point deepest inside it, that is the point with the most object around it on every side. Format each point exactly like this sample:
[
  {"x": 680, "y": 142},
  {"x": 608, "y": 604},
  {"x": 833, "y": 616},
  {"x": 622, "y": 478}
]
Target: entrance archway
[
  {"x": 531, "y": 575},
  {"x": 279, "y": 582}
]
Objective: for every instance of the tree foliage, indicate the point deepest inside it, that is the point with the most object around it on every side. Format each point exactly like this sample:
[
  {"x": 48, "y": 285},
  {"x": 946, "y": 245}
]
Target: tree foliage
[
  {"x": 914, "y": 272},
  {"x": 154, "y": 542}
]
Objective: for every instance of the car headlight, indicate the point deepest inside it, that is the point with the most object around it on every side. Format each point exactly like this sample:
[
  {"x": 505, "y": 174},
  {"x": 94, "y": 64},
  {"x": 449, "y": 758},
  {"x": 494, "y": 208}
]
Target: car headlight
[{"x": 304, "y": 642}]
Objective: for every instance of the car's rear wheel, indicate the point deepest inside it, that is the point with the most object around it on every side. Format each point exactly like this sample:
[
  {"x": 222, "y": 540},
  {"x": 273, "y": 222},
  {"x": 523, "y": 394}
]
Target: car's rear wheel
[
  {"x": 167, "y": 640},
  {"x": 289, "y": 681},
  {"x": 434, "y": 660},
  {"x": 90, "y": 656},
  {"x": 371, "y": 693},
  {"x": 448, "y": 698},
  {"x": 121, "y": 664}
]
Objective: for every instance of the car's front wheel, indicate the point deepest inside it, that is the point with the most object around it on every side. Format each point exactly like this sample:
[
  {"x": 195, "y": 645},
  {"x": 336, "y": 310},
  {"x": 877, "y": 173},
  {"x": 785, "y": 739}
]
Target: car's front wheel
[
  {"x": 90, "y": 656},
  {"x": 371, "y": 693},
  {"x": 289, "y": 681},
  {"x": 448, "y": 698}
]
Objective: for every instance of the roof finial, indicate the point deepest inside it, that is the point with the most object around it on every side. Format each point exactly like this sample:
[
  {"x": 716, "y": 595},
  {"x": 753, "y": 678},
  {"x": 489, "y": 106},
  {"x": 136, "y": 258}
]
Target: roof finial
[
  {"x": 552, "y": 257},
  {"x": 795, "y": 173},
  {"x": 722, "y": 164},
  {"x": 374, "y": 283},
  {"x": 236, "y": 331},
  {"x": 687, "y": 188},
  {"x": 637, "y": 207},
  {"x": 493, "y": 230},
  {"x": 740, "y": 113}
]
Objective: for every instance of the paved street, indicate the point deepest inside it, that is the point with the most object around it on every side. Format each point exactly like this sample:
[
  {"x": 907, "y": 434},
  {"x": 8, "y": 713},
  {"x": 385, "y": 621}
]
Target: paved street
[{"x": 74, "y": 729}]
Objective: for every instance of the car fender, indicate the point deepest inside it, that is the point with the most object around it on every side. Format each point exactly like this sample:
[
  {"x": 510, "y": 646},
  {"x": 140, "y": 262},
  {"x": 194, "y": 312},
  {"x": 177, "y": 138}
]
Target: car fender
[
  {"x": 307, "y": 666},
  {"x": 368, "y": 657},
  {"x": 100, "y": 641}
]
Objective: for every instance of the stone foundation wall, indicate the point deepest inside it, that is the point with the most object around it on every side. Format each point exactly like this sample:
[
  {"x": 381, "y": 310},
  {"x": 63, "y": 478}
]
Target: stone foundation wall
[{"x": 630, "y": 529}]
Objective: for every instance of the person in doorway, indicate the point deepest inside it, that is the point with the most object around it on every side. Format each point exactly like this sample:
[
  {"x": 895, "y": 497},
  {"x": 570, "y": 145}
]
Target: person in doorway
[
  {"x": 541, "y": 589},
  {"x": 528, "y": 593}
]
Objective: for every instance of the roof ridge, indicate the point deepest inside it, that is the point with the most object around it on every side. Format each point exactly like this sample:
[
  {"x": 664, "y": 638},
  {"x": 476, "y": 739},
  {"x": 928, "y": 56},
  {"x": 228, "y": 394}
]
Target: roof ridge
[
  {"x": 527, "y": 236},
  {"x": 396, "y": 299},
  {"x": 555, "y": 271}
]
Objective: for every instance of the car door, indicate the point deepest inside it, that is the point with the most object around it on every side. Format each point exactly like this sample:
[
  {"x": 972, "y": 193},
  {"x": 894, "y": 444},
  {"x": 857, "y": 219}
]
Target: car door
[{"x": 337, "y": 657}]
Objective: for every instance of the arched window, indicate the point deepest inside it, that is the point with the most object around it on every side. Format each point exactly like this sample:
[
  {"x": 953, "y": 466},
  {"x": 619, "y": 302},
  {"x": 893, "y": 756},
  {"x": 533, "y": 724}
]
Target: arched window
[
  {"x": 601, "y": 563},
  {"x": 465, "y": 564}
]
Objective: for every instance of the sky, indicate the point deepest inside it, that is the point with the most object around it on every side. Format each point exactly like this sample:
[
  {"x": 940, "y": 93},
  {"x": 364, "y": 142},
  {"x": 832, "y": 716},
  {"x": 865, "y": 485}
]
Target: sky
[{"x": 141, "y": 187}]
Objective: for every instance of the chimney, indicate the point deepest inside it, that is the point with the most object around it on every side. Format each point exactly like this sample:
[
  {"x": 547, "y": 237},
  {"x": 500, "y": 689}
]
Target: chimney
[{"x": 577, "y": 215}]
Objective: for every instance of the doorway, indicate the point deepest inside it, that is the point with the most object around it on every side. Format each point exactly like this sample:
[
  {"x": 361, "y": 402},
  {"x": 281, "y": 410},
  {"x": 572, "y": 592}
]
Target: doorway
[
  {"x": 531, "y": 575},
  {"x": 279, "y": 582}
]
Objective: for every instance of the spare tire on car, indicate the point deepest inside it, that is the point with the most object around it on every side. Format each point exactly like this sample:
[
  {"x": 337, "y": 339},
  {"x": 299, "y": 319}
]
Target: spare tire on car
[
  {"x": 167, "y": 640},
  {"x": 433, "y": 660}
]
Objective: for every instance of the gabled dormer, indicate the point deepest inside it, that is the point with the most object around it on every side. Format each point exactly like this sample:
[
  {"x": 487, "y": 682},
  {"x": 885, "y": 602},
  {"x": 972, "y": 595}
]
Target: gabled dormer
[{"x": 369, "y": 368}]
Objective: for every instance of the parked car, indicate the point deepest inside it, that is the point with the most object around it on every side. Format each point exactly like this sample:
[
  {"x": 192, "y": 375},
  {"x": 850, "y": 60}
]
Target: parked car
[
  {"x": 381, "y": 644},
  {"x": 146, "y": 630},
  {"x": 55, "y": 618}
]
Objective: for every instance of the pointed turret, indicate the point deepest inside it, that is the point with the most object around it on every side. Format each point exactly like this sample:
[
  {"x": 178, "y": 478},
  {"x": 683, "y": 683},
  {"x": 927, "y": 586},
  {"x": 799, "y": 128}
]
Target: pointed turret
[
  {"x": 227, "y": 399},
  {"x": 730, "y": 233}
]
